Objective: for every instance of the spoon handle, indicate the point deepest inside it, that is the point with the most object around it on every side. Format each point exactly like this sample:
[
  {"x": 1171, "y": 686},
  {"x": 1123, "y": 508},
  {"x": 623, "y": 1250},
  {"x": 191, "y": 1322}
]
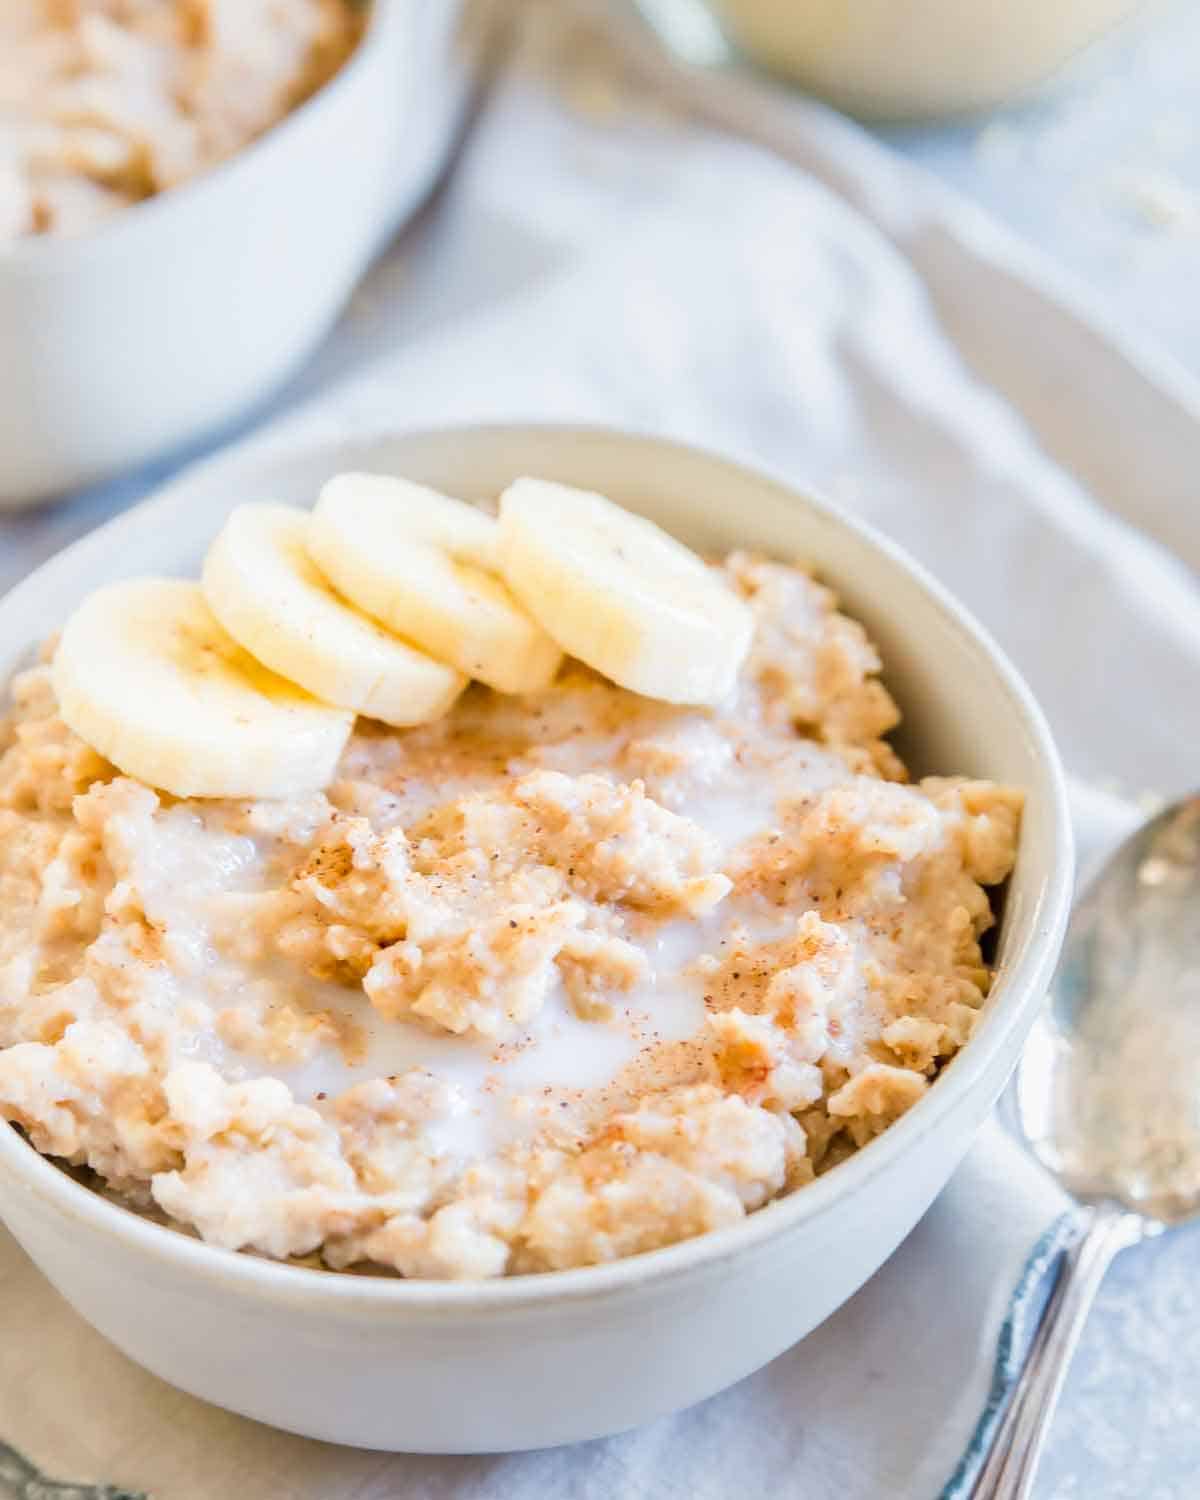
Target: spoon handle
[{"x": 1012, "y": 1461}]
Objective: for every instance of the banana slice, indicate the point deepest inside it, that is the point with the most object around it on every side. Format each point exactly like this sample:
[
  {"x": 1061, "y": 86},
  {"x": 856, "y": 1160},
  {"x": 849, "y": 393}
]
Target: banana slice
[
  {"x": 271, "y": 597},
  {"x": 423, "y": 565},
  {"x": 621, "y": 595},
  {"x": 146, "y": 675}
]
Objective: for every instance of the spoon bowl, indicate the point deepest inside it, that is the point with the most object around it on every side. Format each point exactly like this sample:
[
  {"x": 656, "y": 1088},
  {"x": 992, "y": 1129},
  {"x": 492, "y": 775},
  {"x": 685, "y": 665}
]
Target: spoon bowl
[{"x": 1108, "y": 1091}]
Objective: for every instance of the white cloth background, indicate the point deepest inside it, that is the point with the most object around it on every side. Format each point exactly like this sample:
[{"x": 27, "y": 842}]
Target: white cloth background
[{"x": 821, "y": 311}]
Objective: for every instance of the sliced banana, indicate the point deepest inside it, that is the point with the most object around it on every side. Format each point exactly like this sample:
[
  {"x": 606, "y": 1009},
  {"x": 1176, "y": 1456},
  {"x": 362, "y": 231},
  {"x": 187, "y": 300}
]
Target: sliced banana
[
  {"x": 422, "y": 564},
  {"x": 620, "y": 594},
  {"x": 267, "y": 592},
  {"x": 146, "y": 675}
]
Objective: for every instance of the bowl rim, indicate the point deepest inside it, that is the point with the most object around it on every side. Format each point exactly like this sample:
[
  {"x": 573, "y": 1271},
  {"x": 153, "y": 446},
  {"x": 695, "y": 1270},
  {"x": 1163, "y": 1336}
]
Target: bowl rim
[
  {"x": 34, "y": 252},
  {"x": 1025, "y": 978}
]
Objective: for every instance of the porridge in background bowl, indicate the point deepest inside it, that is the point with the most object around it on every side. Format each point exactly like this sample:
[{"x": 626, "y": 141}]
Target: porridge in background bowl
[
  {"x": 107, "y": 102},
  {"x": 564, "y": 973}
]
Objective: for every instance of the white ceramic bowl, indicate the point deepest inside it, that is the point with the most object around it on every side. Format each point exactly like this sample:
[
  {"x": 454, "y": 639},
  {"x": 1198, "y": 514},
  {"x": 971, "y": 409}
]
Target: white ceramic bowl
[
  {"x": 439, "y": 1367},
  {"x": 127, "y": 341}
]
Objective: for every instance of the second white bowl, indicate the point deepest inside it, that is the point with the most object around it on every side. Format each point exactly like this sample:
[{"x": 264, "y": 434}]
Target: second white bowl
[{"x": 159, "y": 326}]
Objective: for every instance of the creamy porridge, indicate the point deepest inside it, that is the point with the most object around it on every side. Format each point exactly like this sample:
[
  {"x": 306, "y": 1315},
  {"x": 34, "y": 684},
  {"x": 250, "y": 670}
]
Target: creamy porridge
[
  {"x": 558, "y": 977},
  {"x": 106, "y": 102}
]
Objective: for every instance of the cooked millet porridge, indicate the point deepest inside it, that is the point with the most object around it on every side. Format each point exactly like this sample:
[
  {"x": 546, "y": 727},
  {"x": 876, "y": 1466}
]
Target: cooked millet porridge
[
  {"x": 557, "y": 979},
  {"x": 106, "y": 102}
]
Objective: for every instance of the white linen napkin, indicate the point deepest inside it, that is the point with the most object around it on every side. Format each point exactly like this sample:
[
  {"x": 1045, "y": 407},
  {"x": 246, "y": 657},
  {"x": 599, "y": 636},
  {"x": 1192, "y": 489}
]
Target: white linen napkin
[{"x": 819, "y": 310}]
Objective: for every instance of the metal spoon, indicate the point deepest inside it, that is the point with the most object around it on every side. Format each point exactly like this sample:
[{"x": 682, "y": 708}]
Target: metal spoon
[{"x": 1108, "y": 1095}]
